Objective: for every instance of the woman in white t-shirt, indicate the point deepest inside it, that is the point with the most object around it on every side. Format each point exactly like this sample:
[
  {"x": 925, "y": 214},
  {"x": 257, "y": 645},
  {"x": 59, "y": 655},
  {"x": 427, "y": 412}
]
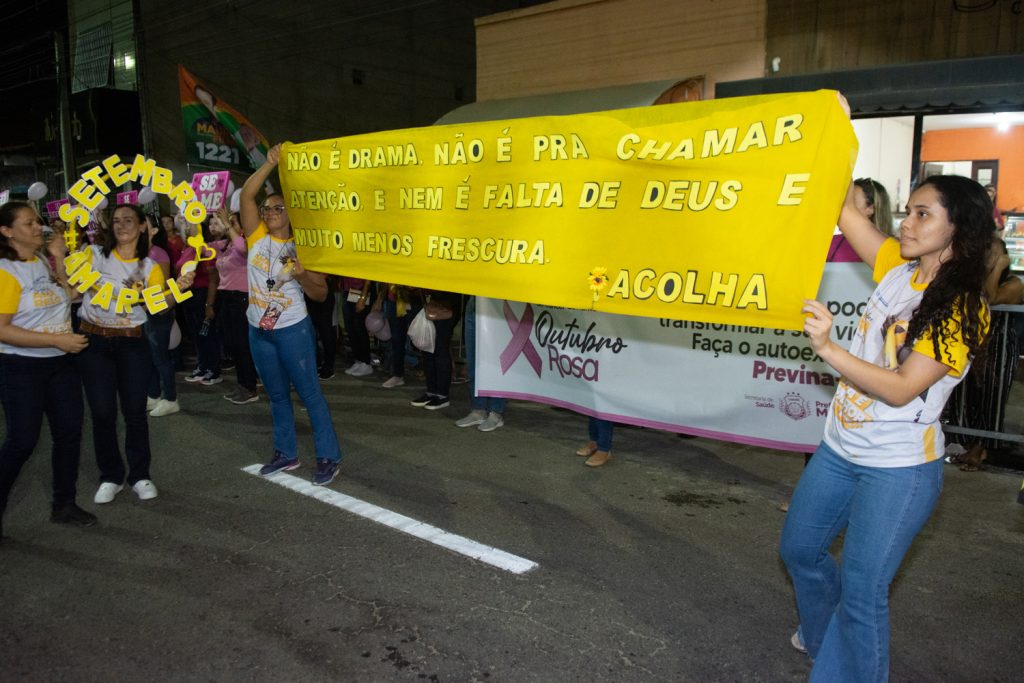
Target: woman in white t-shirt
[
  {"x": 116, "y": 365},
  {"x": 878, "y": 471},
  {"x": 38, "y": 374},
  {"x": 281, "y": 335}
]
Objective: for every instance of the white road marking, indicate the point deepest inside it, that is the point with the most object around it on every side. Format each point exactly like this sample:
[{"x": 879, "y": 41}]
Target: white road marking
[{"x": 460, "y": 544}]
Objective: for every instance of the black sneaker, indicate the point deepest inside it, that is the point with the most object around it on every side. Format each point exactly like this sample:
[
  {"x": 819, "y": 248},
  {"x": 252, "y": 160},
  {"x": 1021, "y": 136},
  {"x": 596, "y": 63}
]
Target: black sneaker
[
  {"x": 325, "y": 374},
  {"x": 326, "y": 471},
  {"x": 421, "y": 401},
  {"x": 279, "y": 463},
  {"x": 437, "y": 402},
  {"x": 73, "y": 515}
]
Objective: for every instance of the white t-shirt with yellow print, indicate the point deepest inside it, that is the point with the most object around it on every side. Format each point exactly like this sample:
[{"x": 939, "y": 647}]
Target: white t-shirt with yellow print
[
  {"x": 120, "y": 273},
  {"x": 35, "y": 301},
  {"x": 275, "y": 296},
  {"x": 863, "y": 428}
]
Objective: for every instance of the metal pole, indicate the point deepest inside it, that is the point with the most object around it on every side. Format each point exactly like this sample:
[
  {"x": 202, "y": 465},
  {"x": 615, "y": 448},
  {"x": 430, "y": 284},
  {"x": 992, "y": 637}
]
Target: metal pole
[{"x": 67, "y": 152}]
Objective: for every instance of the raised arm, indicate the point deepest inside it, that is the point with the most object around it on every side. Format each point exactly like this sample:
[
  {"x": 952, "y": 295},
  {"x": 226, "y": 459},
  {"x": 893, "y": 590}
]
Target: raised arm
[
  {"x": 248, "y": 209},
  {"x": 859, "y": 231}
]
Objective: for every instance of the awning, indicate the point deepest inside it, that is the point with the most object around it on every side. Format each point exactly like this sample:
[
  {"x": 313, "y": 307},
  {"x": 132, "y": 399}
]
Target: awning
[
  {"x": 561, "y": 103},
  {"x": 956, "y": 85}
]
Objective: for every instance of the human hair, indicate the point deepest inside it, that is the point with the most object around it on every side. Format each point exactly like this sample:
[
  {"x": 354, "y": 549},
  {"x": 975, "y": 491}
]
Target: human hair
[
  {"x": 8, "y": 214},
  {"x": 877, "y": 197},
  {"x": 160, "y": 238},
  {"x": 142, "y": 246},
  {"x": 953, "y": 302}
]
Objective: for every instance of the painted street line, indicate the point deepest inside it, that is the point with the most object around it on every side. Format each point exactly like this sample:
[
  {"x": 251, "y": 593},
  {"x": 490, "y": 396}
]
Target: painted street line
[{"x": 460, "y": 544}]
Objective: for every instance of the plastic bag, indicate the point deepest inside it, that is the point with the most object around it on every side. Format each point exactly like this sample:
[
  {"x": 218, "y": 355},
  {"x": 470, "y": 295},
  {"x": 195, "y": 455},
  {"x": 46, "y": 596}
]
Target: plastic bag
[{"x": 422, "y": 332}]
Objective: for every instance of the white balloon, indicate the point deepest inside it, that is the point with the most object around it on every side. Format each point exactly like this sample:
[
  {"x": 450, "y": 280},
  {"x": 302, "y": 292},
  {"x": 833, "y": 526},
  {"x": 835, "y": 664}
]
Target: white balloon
[
  {"x": 231, "y": 188},
  {"x": 236, "y": 201},
  {"x": 103, "y": 203},
  {"x": 37, "y": 190},
  {"x": 175, "y": 337},
  {"x": 146, "y": 195}
]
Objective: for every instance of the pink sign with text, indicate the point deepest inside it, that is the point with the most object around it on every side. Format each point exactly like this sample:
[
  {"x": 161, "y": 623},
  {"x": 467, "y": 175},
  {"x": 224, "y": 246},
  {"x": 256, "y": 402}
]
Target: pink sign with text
[
  {"x": 129, "y": 197},
  {"x": 53, "y": 207},
  {"x": 211, "y": 188}
]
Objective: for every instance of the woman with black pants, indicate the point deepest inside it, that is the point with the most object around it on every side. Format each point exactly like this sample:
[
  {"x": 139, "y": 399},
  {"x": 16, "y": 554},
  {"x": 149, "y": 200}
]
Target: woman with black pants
[{"x": 38, "y": 374}]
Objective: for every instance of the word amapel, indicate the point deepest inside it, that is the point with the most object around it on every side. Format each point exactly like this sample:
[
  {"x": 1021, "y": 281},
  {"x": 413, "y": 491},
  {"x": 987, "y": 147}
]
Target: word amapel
[{"x": 89, "y": 192}]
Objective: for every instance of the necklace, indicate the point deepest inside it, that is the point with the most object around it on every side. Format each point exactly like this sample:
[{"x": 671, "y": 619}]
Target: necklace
[{"x": 270, "y": 264}]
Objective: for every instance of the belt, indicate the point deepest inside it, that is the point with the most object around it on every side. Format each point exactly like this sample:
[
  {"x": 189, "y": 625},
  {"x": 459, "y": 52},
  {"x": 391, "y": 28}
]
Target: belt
[{"x": 100, "y": 331}]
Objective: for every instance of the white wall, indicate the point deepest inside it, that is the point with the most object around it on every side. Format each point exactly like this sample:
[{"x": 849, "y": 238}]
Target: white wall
[{"x": 886, "y": 151}]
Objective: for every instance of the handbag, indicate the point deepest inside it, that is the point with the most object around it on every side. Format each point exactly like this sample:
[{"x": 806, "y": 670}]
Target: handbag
[
  {"x": 422, "y": 332},
  {"x": 438, "y": 310}
]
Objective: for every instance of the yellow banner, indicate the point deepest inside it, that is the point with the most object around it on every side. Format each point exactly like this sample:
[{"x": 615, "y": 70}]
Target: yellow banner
[{"x": 718, "y": 211}]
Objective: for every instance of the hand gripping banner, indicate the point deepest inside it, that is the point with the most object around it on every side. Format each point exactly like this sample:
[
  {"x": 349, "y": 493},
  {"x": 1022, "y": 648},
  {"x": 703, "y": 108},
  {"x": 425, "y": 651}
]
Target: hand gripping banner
[{"x": 718, "y": 211}]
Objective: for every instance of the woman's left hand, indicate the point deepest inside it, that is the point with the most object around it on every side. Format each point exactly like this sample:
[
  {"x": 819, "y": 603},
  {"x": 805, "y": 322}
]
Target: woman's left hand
[
  {"x": 817, "y": 325},
  {"x": 185, "y": 281}
]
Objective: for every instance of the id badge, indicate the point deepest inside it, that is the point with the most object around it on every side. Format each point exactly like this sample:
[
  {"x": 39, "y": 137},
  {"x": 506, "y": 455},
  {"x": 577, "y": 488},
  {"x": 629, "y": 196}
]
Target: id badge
[
  {"x": 354, "y": 295},
  {"x": 270, "y": 317}
]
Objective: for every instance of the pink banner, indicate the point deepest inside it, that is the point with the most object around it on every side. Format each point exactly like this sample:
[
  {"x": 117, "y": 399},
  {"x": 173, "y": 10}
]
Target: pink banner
[
  {"x": 211, "y": 188},
  {"x": 129, "y": 197},
  {"x": 53, "y": 207}
]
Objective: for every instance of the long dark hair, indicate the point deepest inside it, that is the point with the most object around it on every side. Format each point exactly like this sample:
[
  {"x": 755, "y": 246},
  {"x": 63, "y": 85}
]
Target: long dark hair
[
  {"x": 160, "y": 238},
  {"x": 8, "y": 214},
  {"x": 953, "y": 303},
  {"x": 142, "y": 247}
]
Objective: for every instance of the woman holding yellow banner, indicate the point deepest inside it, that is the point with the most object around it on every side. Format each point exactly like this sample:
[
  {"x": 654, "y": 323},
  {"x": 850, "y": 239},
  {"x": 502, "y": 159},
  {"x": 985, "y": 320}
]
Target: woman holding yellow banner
[
  {"x": 281, "y": 335},
  {"x": 878, "y": 472}
]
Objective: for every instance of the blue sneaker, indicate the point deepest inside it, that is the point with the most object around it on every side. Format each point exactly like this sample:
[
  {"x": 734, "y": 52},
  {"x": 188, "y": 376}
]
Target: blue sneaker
[
  {"x": 279, "y": 463},
  {"x": 326, "y": 471}
]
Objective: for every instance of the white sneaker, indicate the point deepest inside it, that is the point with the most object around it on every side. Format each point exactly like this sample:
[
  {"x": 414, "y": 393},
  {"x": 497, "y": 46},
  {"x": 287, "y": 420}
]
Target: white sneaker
[
  {"x": 165, "y": 407},
  {"x": 474, "y": 418},
  {"x": 151, "y": 403},
  {"x": 361, "y": 369},
  {"x": 393, "y": 382},
  {"x": 144, "y": 489},
  {"x": 106, "y": 492},
  {"x": 797, "y": 642},
  {"x": 493, "y": 421}
]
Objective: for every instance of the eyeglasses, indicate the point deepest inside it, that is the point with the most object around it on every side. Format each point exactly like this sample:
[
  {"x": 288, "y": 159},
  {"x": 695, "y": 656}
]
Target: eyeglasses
[{"x": 273, "y": 208}]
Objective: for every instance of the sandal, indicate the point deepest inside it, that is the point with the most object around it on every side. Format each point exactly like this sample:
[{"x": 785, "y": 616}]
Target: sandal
[
  {"x": 972, "y": 459},
  {"x": 587, "y": 450}
]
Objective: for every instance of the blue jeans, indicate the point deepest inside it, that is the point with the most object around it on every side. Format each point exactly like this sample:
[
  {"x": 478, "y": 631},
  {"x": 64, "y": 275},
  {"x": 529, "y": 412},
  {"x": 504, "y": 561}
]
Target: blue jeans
[
  {"x": 286, "y": 357},
  {"x": 601, "y": 433},
  {"x": 116, "y": 369},
  {"x": 29, "y": 389},
  {"x": 844, "y": 609},
  {"x": 491, "y": 403},
  {"x": 158, "y": 332}
]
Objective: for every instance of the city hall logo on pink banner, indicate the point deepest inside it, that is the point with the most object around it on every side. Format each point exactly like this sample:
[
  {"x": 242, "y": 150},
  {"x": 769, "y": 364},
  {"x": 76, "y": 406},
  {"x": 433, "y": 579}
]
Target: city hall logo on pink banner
[
  {"x": 794, "y": 406},
  {"x": 566, "y": 345}
]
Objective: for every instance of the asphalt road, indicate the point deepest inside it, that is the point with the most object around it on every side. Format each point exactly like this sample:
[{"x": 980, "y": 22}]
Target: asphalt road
[{"x": 660, "y": 566}]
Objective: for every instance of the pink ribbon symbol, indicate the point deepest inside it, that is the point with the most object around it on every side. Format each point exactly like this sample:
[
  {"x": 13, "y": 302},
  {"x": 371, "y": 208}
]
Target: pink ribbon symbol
[{"x": 520, "y": 342}]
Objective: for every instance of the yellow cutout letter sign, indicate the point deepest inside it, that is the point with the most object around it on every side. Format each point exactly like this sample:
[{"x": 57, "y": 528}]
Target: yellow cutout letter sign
[{"x": 719, "y": 211}]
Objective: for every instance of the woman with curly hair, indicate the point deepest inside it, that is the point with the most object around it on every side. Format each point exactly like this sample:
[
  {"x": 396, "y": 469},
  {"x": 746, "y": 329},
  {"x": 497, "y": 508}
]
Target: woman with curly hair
[{"x": 878, "y": 471}]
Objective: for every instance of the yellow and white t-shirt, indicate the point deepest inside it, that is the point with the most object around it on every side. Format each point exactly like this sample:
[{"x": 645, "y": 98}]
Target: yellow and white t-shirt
[
  {"x": 135, "y": 273},
  {"x": 275, "y": 297},
  {"x": 863, "y": 428},
  {"x": 37, "y": 302}
]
